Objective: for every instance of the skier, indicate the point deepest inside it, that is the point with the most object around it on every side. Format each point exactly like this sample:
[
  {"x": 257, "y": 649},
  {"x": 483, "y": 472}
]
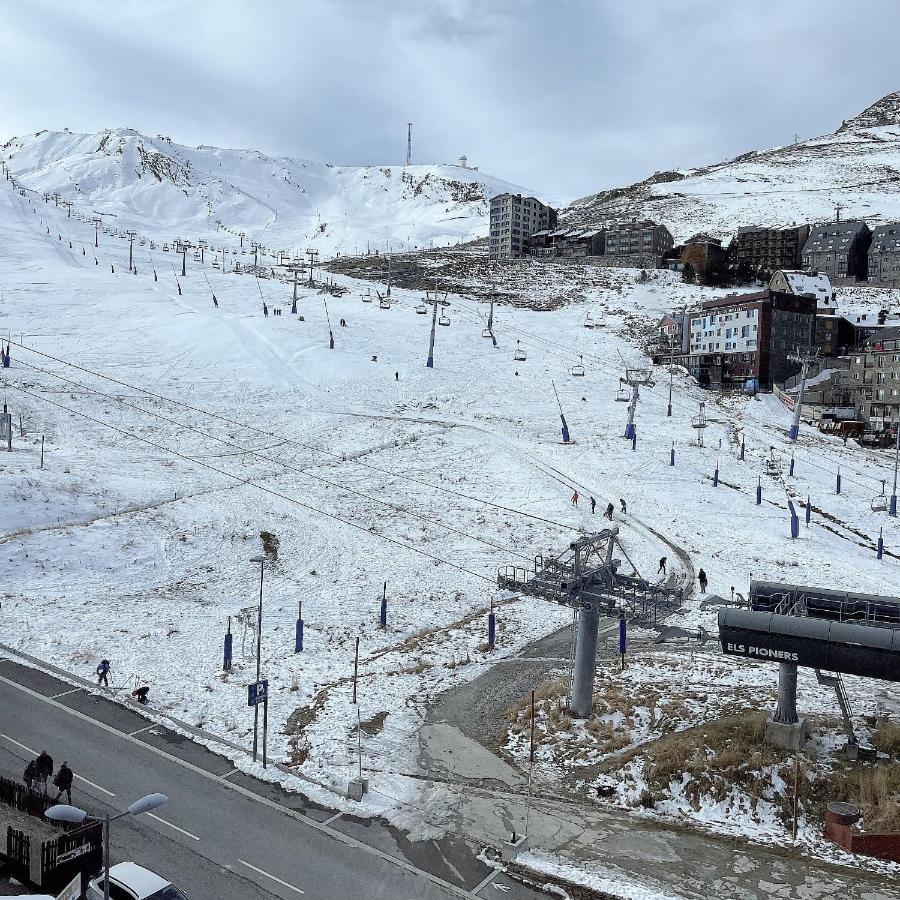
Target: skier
[
  {"x": 623, "y": 505},
  {"x": 30, "y": 775},
  {"x": 701, "y": 577},
  {"x": 102, "y": 672},
  {"x": 215, "y": 302},
  {"x": 63, "y": 782},
  {"x": 44, "y": 766},
  {"x": 593, "y": 505},
  {"x": 140, "y": 694},
  {"x": 575, "y": 499},
  {"x": 396, "y": 375},
  {"x": 609, "y": 512},
  {"x": 662, "y": 566},
  {"x": 265, "y": 309}
]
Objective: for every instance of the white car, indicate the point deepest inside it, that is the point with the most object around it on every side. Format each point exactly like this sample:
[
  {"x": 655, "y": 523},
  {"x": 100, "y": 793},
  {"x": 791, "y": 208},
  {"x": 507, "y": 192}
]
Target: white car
[{"x": 129, "y": 881}]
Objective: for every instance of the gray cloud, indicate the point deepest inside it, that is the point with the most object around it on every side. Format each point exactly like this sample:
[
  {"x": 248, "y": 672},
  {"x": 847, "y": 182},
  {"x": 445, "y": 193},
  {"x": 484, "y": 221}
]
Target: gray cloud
[{"x": 565, "y": 98}]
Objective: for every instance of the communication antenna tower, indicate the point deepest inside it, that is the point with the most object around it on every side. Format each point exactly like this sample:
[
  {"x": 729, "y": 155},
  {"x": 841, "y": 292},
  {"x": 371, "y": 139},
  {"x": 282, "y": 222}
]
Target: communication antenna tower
[{"x": 409, "y": 143}]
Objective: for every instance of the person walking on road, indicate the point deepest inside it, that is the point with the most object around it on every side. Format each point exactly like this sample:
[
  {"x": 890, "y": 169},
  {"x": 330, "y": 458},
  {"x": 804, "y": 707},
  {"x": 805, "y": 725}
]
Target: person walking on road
[
  {"x": 593, "y": 505},
  {"x": 63, "y": 782},
  {"x": 624, "y": 506},
  {"x": 701, "y": 577},
  {"x": 44, "y": 766},
  {"x": 575, "y": 499},
  {"x": 610, "y": 509},
  {"x": 103, "y": 672},
  {"x": 30, "y": 775},
  {"x": 662, "y": 566}
]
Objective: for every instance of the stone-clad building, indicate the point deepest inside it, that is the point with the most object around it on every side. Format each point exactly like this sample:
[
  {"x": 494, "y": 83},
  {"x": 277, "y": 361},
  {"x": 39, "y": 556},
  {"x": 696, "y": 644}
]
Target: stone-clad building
[{"x": 839, "y": 249}]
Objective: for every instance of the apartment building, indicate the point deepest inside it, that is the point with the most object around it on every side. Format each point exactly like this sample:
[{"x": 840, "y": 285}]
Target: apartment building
[
  {"x": 768, "y": 249},
  {"x": 839, "y": 249},
  {"x": 884, "y": 256},
  {"x": 514, "y": 219},
  {"x": 749, "y": 336},
  {"x": 641, "y": 244},
  {"x": 875, "y": 373}
]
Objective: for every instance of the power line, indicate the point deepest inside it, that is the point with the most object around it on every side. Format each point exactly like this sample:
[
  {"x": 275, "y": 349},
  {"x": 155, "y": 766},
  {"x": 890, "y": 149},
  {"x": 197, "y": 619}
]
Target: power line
[
  {"x": 256, "y": 453},
  {"x": 251, "y": 483}
]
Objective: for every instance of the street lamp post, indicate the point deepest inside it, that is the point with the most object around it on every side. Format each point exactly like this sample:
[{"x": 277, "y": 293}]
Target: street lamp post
[
  {"x": 64, "y": 813},
  {"x": 261, "y": 560}
]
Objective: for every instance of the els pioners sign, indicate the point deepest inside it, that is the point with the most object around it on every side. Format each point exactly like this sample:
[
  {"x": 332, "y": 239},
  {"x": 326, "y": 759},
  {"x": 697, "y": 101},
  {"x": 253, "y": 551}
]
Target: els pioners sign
[{"x": 767, "y": 653}]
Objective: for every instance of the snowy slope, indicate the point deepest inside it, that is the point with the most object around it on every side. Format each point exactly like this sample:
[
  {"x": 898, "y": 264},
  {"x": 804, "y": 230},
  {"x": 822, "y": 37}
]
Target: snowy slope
[
  {"x": 165, "y": 189},
  {"x": 857, "y": 166}
]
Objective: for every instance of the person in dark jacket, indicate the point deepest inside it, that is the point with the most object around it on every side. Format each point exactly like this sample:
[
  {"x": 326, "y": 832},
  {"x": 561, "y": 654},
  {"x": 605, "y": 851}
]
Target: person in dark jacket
[
  {"x": 44, "y": 766},
  {"x": 624, "y": 506},
  {"x": 103, "y": 672},
  {"x": 30, "y": 775},
  {"x": 609, "y": 512},
  {"x": 593, "y": 505},
  {"x": 701, "y": 577},
  {"x": 140, "y": 694},
  {"x": 63, "y": 782},
  {"x": 662, "y": 566}
]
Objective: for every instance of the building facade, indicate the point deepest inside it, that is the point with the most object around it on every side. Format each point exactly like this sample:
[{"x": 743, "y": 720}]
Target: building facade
[
  {"x": 643, "y": 244},
  {"x": 768, "y": 249},
  {"x": 884, "y": 256},
  {"x": 514, "y": 219},
  {"x": 840, "y": 250},
  {"x": 749, "y": 336},
  {"x": 805, "y": 284},
  {"x": 875, "y": 372},
  {"x": 835, "y": 335}
]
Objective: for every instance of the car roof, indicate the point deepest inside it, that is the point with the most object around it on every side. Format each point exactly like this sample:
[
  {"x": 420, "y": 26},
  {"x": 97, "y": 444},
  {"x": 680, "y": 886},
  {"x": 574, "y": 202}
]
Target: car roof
[{"x": 137, "y": 878}]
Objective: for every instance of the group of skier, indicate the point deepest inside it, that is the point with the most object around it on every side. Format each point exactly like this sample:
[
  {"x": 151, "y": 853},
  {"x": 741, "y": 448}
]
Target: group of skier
[{"x": 39, "y": 772}]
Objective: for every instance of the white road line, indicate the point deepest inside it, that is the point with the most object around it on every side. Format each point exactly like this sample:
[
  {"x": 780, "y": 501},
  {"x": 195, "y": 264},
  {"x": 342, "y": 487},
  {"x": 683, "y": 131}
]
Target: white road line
[
  {"x": 338, "y": 836},
  {"x": 290, "y": 887},
  {"x": 150, "y": 815},
  {"x": 337, "y": 815},
  {"x": 142, "y": 730},
  {"x": 66, "y": 693},
  {"x": 34, "y": 753},
  {"x": 486, "y": 881},
  {"x": 229, "y": 774}
]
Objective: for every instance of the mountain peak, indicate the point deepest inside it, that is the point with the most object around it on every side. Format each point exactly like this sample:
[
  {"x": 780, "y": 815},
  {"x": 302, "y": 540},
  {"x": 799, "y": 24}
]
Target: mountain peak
[{"x": 885, "y": 111}]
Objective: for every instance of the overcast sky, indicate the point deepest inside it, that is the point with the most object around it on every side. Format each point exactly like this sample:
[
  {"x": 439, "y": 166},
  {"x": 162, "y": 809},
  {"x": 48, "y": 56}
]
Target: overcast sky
[{"x": 564, "y": 97}]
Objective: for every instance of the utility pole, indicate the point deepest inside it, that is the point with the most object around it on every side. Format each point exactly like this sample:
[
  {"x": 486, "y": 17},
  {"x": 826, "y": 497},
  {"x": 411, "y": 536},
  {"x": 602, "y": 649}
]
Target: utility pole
[
  {"x": 892, "y": 508},
  {"x": 261, "y": 560},
  {"x": 131, "y": 235},
  {"x": 97, "y": 223},
  {"x": 669, "y": 407},
  {"x": 184, "y": 249},
  {"x": 804, "y": 359},
  {"x": 314, "y": 258},
  {"x": 255, "y": 254},
  {"x": 409, "y": 143},
  {"x": 837, "y": 211}
]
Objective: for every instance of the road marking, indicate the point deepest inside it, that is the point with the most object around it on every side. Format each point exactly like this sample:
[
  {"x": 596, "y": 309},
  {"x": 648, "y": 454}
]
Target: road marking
[
  {"x": 34, "y": 753},
  {"x": 142, "y": 730},
  {"x": 337, "y": 815},
  {"x": 487, "y": 881},
  {"x": 290, "y": 887},
  {"x": 65, "y": 693},
  {"x": 150, "y": 815},
  {"x": 229, "y": 774},
  {"x": 338, "y": 836}
]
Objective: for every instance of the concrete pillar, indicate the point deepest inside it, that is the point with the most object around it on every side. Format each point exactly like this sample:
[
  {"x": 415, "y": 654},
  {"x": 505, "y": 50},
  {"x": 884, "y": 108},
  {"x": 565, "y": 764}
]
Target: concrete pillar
[
  {"x": 585, "y": 663},
  {"x": 786, "y": 711}
]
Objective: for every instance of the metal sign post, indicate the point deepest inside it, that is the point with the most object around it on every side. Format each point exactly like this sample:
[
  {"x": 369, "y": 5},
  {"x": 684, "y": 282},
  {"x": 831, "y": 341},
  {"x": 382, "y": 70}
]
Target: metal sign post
[{"x": 258, "y": 693}]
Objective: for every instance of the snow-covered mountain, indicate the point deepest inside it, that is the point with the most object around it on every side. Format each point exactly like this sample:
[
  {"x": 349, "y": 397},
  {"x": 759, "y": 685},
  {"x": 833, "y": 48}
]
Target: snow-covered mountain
[
  {"x": 858, "y": 166},
  {"x": 163, "y": 189}
]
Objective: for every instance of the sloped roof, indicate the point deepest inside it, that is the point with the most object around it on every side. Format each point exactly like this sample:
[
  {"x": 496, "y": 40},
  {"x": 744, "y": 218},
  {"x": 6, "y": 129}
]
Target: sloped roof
[
  {"x": 886, "y": 238},
  {"x": 804, "y": 284},
  {"x": 833, "y": 236}
]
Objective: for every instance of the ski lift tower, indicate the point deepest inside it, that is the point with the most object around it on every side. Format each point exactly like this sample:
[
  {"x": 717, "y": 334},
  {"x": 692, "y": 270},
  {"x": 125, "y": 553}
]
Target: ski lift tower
[
  {"x": 804, "y": 358},
  {"x": 296, "y": 269},
  {"x": 635, "y": 379},
  {"x": 435, "y": 303},
  {"x": 699, "y": 423},
  {"x": 586, "y": 578}
]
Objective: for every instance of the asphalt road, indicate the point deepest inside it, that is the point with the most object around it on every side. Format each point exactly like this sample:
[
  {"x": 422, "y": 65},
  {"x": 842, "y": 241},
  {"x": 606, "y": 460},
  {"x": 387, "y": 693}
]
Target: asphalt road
[{"x": 223, "y": 835}]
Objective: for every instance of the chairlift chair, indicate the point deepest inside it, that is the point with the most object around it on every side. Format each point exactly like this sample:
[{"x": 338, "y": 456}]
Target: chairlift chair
[
  {"x": 215, "y": 264},
  {"x": 623, "y": 395},
  {"x": 588, "y": 321},
  {"x": 520, "y": 355},
  {"x": 165, "y": 248},
  {"x": 421, "y": 309},
  {"x": 880, "y": 503},
  {"x": 577, "y": 371},
  {"x": 383, "y": 302},
  {"x": 600, "y": 321},
  {"x": 366, "y": 297},
  {"x": 444, "y": 320},
  {"x": 486, "y": 332}
]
